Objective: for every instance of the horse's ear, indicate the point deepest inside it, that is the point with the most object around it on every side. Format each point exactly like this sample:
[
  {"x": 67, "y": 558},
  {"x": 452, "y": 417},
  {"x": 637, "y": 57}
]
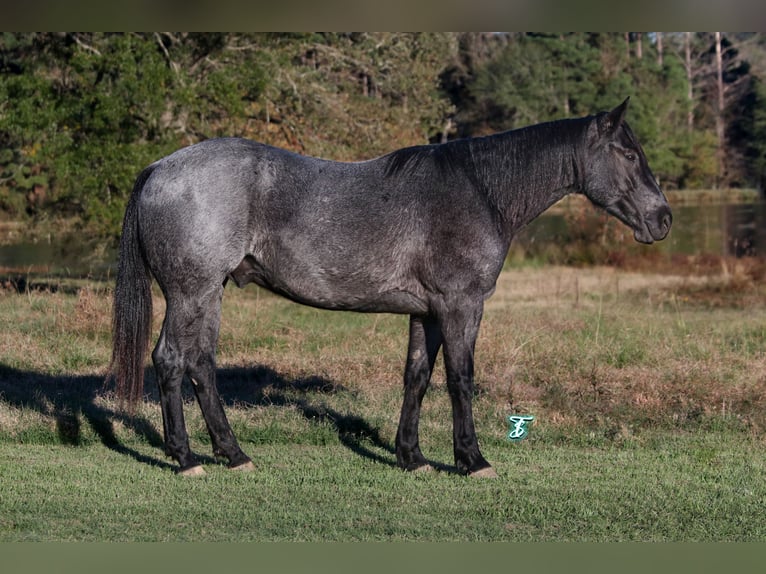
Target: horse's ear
[
  {"x": 612, "y": 120},
  {"x": 616, "y": 116}
]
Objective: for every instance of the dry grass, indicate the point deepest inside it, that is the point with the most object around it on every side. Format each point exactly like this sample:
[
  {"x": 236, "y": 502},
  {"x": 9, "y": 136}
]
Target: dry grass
[
  {"x": 593, "y": 350},
  {"x": 619, "y": 351}
]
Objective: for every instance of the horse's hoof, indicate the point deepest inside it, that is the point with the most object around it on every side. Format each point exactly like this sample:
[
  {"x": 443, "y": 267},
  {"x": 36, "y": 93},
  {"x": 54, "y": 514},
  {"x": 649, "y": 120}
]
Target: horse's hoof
[
  {"x": 487, "y": 472},
  {"x": 423, "y": 468},
  {"x": 244, "y": 467},
  {"x": 192, "y": 471}
]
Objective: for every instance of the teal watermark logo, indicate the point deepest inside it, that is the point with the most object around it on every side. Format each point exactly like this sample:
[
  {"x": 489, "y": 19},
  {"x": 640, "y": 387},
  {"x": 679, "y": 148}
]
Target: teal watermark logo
[{"x": 519, "y": 427}]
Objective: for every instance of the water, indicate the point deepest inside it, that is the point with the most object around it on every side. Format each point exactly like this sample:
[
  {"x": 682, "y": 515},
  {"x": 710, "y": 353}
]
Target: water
[
  {"x": 736, "y": 229},
  {"x": 724, "y": 229},
  {"x": 69, "y": 257}
]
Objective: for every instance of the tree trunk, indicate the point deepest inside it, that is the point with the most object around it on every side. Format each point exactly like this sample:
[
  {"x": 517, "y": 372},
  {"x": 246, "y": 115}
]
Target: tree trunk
[
  {"x": 689, "y": 80},
  {"x": 659, "y": 48},
  {"x": 719, "y": 123}
]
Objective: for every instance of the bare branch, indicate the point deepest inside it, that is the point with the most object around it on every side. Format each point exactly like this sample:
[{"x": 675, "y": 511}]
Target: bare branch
[
  {"x": 173, "y": 65},
  {"x": 85, "y": 46}
]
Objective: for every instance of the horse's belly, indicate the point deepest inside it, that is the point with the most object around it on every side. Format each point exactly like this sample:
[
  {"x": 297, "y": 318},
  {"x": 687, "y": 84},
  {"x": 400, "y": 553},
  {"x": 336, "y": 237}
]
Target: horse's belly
[
  {"x": 331, "y": 290},
  {"x": 386, "y": 302}
]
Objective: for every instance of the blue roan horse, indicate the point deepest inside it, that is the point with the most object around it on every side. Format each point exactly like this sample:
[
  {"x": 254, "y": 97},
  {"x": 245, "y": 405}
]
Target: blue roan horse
[{"x": 422, "y": 231}]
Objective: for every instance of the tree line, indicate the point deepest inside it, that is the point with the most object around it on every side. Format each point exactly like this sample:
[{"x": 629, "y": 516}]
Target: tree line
[{"x": 82, "y": 113}]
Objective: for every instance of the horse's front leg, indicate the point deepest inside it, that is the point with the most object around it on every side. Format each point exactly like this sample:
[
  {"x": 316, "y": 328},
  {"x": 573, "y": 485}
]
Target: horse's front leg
[
  {"x": 425, "y": 340},
  {"x": 460, "y": 326}
]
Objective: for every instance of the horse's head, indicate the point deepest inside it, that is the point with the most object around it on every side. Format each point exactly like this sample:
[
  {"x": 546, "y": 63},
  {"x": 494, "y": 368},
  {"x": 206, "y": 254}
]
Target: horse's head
[{"x": 617, "y": 177}]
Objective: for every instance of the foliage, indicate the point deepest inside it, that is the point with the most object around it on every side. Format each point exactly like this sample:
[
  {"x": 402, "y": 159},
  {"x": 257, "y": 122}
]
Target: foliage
[
  {"x": 539, "y": 78},
  {"x": 82, "y": 113},
  {"x": 543, "y": 77},
  {"x": 756, "y": 130}
]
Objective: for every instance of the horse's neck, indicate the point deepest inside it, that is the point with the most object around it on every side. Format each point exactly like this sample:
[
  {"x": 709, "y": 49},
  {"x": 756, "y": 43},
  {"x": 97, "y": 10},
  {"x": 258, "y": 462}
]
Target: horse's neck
[{"x": 524, "y": 172}]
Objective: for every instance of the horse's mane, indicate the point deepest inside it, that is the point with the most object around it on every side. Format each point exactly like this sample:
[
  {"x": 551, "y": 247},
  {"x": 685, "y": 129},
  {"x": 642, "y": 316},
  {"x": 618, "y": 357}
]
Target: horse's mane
[
  {"x": 448, "y": 158},
  {"x": 515, "y": 146}
]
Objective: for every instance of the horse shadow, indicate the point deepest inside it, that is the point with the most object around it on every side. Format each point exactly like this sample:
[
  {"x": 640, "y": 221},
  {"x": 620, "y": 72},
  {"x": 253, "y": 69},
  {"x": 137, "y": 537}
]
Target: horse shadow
[
  {"x": 71, "y": 399},
  {"x": 67, "y": 400}
]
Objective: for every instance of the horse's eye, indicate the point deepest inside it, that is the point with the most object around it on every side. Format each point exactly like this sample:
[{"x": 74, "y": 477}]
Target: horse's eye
[{"x": 630, "y": 156}]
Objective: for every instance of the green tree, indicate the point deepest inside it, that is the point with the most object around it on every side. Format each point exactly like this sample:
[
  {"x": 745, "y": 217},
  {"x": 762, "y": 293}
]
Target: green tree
[
  {"x": 81, "y": 114},
  {"x": 537, "y": 78},
  {"x": 353, "y": 96},
  {"x": 756, "y": 152},
  {"x": 542, "y": 77}
]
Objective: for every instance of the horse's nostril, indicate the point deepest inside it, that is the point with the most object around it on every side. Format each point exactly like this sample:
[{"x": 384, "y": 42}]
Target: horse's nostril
[{"x": 666, "y": 222}]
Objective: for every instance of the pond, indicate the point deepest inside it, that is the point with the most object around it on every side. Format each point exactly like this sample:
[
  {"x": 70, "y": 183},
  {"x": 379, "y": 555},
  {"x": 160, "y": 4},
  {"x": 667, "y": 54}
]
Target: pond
[
  {"x": 51, "y": 257},
  {"x": 737, "y": 229},
  {"x": 734, "y": 229}
]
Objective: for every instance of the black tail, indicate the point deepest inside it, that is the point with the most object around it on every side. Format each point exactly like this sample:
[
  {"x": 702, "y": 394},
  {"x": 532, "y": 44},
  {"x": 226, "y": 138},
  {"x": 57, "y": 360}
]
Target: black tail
[{"x": 132, "y": 311}]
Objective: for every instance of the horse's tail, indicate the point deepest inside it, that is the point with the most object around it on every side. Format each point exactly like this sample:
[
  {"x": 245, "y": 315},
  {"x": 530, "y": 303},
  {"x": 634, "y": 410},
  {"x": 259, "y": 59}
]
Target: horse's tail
[{"x": 132, "y": 309}]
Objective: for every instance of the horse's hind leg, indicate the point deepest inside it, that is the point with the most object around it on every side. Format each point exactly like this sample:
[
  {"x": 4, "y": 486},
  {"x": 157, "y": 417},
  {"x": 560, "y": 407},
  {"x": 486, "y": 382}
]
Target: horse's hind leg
[
  {"x": 187, "y": 346},
  {"x": 202, "y": 373},
  {"x": 168, "y": 358},
  {"x": 425, "y": 340}
]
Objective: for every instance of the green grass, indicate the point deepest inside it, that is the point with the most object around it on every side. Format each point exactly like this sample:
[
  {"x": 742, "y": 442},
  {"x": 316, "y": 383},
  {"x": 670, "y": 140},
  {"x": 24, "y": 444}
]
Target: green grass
[
  {"x": 648, "y": 392},
  {"x": 673, "y": 488}
]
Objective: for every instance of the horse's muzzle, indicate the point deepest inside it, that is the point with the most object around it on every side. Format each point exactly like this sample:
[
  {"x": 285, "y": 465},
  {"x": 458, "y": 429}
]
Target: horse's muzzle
[{"x": 655, "y": 227}]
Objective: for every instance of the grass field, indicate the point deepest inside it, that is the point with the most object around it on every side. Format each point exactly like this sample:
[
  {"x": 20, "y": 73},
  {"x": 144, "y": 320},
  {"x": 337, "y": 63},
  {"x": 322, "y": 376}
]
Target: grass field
[{"x": 648, "y": 390}]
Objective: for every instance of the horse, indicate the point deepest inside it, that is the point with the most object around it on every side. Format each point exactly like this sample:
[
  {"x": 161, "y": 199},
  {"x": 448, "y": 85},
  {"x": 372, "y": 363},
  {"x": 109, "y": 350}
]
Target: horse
[{"x": 422, "y": 231}]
